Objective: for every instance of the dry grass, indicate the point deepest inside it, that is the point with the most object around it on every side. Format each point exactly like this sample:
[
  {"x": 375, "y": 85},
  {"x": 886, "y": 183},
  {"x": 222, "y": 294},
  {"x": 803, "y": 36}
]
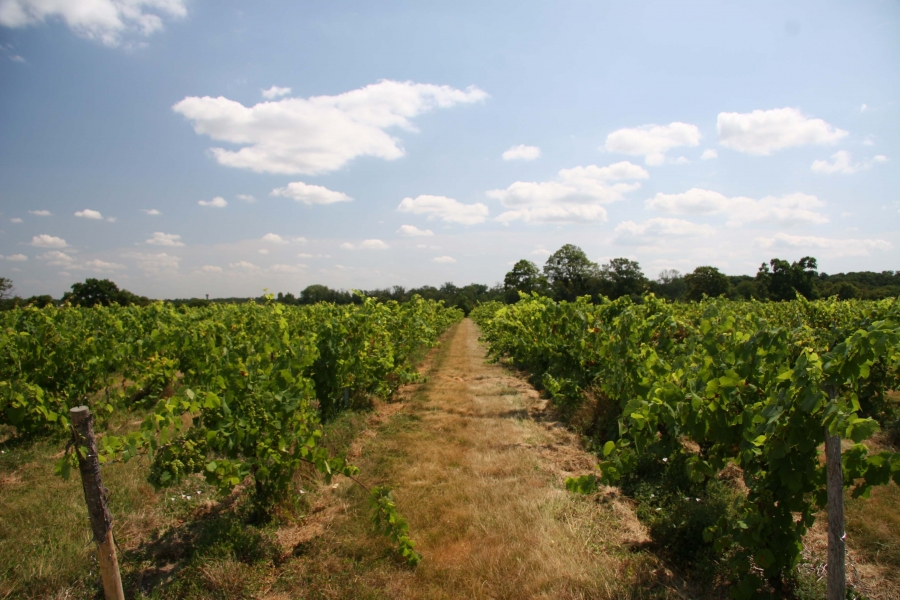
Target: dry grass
[{"x": 478, "y": 467}]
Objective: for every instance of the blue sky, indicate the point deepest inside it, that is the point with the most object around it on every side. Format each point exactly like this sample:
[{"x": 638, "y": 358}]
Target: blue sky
[{"x": 185, "y": 147}]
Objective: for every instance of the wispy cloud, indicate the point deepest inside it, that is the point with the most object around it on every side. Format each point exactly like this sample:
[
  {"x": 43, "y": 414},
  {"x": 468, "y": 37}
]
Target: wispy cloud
[
  {"x": 275, "y": 92},
  {"x": 365, "y": 245},
  {"x": 217, "y": 202},
  {"x": 413, "y": 231},
  {"x": 310, "y": 194},
  {"x": 445, "y": 209},
  {"x": 831, "y": 247},
  {"x": 842, "y": 162},
  {"x": 165, "y": 239},
  {"x": 790, "y": 209}
]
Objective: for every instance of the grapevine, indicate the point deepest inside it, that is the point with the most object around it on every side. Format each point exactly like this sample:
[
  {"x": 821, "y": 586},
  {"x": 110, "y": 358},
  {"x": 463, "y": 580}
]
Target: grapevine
[{"x": 750, "y": 384}]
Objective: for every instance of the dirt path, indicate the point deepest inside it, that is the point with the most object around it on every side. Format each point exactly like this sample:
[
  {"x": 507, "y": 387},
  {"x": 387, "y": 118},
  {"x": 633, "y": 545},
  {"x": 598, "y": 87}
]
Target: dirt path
[{"x": 478, "y": 467}]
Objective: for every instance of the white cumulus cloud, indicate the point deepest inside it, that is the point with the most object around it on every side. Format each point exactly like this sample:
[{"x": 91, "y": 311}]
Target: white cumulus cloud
[
  {"x": 217, "y": 202},
  {"x": 48, "y": 241},
  {"x": 446, "y": 260},
  {"x": 274, "y": 238},
  {"x": 653, "y": 141},
  {"x": 151, "y": 211},
  {"x": 365, "y": 245},
  {"x": 830, "y": 247},
  {"x": 842, "y": 162},
  {"x": 790, "y": 209},
  {"x": 321, "y": 133},
  {"x": 654, "y": 231},
  {"x": 89, "y": 214},
  {"x": 298, "y": 268},
  {"x": 246, "y": 198},
  {"x": 107, "y": 21},
  {"x": 708, "y": 154},
  {"x": 445, "y": 209},
  {"x": 310, "y": 194},
  {"x": 413, "y": 231},
  {"x": 243, "y": 265},
  {"x": 275, "y": 92},
  {"x": 16, "y": 220},
  {"x": 155, "y": 263},
  {"x": 98, "y": 266},
  {"x": 211, "y": 269},
  {"x": 522, "y": 152},
  {"x": 57, "y": 258},
  {"x": 762, "y": 132},
  {"x": 40, "y": 213},
  {"x": 575, "y": 197},
  {"x": 164, "y": 239},
  {"x": 15, "y": 257}
]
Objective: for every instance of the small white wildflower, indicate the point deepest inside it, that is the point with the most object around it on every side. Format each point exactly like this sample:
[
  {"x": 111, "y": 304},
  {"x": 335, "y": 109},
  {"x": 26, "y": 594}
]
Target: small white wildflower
[
  {"x": 658, "y": 509},
  {"x": 302, "y": 491},
  {"x": 188, "y": 497},
  {"x": 697, "y": 499},
  {"x": 665, "y": 460}
]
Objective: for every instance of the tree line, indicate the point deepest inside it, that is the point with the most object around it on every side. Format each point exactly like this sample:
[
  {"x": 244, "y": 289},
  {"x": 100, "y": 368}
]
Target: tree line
[{"x": 567, "y": 274}]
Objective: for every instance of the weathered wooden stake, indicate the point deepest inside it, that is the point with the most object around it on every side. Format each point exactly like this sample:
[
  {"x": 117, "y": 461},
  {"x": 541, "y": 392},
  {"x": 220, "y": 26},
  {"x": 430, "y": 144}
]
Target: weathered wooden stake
[
  {"x": 837, "y": 570},
  {"x": 95, "y": 497}
]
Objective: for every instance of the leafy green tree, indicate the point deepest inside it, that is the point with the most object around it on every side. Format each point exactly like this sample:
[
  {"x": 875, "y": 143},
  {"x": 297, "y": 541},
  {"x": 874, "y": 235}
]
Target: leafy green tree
[
  {"x": 622, "y": 277},
  {"x": 6, "y": 288},
  {"x": 669, "y": 284},
  {"x": 785, "y": 280},
  {"x": 40, "y": 301},
  {"x": 523, "y": 277},
  {"x": 706, "y": 280},
  {"x": 101, "y": 291},
  {"x": 747, "y": 289},
  {"x": 322, "y": 293},
  {"x": 570, "y": 273},
  {"x": 847, "y": 291}
]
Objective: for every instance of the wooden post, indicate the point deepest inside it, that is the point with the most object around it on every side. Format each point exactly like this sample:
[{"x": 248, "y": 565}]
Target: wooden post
[
  {"x": 95, "y": 497},
  {"x": 837, "y": 570}
]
